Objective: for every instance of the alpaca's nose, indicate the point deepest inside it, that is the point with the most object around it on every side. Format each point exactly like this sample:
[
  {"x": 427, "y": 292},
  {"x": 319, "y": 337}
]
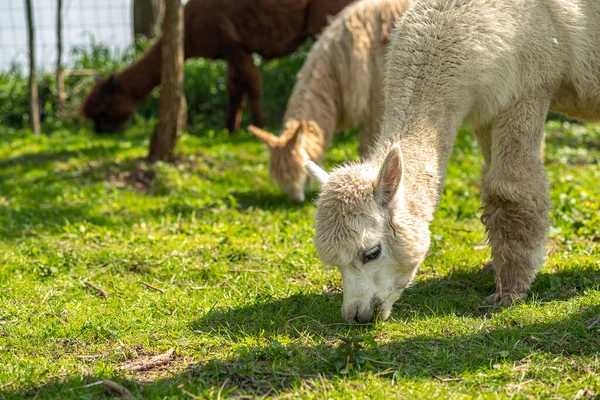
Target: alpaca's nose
[
  {"x": 364, "y": 317},
  {"x": 349, "y": 313},
  {"x": 297, "y": 197},
  {"x": 354, "y": 314}
]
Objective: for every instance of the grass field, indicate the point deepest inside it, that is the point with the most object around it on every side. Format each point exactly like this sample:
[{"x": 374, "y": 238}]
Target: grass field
[{"x": 207, "y": 256}]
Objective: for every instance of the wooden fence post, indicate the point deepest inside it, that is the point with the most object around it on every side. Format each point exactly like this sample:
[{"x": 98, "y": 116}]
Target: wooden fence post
[
  {"x": 60, "y": 79},
  {"x": 147, "y": 16},
  {"x": 34, "y": 109},
  {"x": 172, "y": 110}
]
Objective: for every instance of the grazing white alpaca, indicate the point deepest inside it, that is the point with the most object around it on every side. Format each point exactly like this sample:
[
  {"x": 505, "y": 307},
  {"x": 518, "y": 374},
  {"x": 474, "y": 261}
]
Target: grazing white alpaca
[
  {"x": 498, "y": 65},
  {"x": 338, "y": 87}
]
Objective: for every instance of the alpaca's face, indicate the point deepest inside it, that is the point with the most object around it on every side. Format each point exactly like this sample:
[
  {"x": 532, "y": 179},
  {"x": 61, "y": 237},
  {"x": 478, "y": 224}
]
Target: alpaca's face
[
  {"x": 288, "y": 156},
  {"x": 373, "y": 275},
  {"x": 108, "y": 107},
  {"x": 360, "y": 230},
  {"x": 286, "y": 168}
]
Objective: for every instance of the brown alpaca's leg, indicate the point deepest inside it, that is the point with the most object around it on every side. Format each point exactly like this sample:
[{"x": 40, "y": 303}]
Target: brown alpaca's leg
[
  {"x": 235, "y": 96},
  {"x": 516, "y": 198},
  {"x": 252, "y": 84}
]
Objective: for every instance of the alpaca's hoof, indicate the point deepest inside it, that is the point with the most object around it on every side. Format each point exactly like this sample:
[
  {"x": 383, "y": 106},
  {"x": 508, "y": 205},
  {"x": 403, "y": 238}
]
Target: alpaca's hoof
[{"x": 506, "y": 299}]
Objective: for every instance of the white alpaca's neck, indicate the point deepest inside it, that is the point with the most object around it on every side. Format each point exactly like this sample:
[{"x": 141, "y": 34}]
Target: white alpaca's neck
[
  {"x": 426, "y": 140},
  {"x": 425, "y": 104}
]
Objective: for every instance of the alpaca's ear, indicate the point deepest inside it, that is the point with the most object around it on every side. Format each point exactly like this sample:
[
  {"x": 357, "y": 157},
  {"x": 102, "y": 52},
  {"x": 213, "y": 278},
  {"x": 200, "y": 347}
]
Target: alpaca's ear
[
  {"x": 267, "y": 138},
  {"x": 316, "y": 172},
  {"x": 389, "y": 177},
  {"x": 295, "y": 133}
]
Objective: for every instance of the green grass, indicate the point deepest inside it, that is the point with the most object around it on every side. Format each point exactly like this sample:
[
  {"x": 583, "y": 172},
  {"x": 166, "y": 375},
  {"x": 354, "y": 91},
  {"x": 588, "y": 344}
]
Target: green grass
[{"x": 246, "y": 305}]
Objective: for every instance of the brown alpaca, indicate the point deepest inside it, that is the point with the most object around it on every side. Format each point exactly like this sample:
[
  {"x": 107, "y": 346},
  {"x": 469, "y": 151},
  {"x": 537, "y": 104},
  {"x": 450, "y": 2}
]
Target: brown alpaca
[{"x": 217, "y": 29}]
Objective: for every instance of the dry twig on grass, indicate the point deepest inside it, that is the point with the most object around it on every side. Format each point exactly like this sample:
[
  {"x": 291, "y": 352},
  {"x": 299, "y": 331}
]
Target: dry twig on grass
[
  {"x": 585, "y": 393},
  {"x": 146, "y": 363},
  {"x": 152, "y": 287},
  {"x": 442, "y": 379},
  {"x": 595, "y": 322},
  {"x": 3, "y": 386},
  {"x": 98, "y": 289},
  {"x": 90, "y": 357},
  {"x": 111, "y": 387},
  {"x": 192, "y": 395}
]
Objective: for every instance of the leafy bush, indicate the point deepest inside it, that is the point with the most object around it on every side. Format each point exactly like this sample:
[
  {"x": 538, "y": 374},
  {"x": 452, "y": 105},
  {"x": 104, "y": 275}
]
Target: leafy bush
[
  {"x": 13, "y": 98},
  {"x": 204, "y": 87}
]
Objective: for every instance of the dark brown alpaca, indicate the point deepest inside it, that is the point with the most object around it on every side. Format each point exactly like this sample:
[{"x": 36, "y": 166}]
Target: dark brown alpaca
[{"x": 217, "y": 29}]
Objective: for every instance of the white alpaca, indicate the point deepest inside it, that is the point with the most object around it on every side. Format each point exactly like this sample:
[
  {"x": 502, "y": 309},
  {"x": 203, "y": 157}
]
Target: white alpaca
[
  {"x": 498, "y": 65},
  {"x": 338, "y": 87}
]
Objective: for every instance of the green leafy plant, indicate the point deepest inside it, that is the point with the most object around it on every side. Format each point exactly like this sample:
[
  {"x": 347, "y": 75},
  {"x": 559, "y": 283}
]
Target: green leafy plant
[{"x": 352, "y": 356}]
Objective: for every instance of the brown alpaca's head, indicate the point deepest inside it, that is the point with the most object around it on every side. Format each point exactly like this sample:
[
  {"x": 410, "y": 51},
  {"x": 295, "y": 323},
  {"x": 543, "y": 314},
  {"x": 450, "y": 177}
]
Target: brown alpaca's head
[
  {"x": 289, "y": 152},
  {"x": 108, "y": 106}
]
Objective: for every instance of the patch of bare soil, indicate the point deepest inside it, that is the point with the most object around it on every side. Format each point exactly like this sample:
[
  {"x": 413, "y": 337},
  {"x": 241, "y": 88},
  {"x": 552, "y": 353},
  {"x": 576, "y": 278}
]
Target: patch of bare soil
[
  {"x": 195, "y": 160},
  {"x": 142, "y": 174},
  {"x": 139, "y": 178},
  {"x": 148, "y": 362},
  {"x": 149, "y": 367}
]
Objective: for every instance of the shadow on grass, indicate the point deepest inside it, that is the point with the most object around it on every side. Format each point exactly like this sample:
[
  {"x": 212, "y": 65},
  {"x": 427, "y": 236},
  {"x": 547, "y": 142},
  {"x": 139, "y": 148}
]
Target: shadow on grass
[
  {"x": 460, "y": 293},
  {"x": 269, "y": 200},
  {"x": 38, "y": 189},
  {"x": 274, "y": 369},
  {"x": 464, "y": 293},
  {"x": 42, "y": 207},
  {"x": 32, "y": 221},
  {"x": 94, "y": 148},
  {"x": 242, "y": 137},
  {"x": 296, "y": 315},
  {"x": 270, "y": 368},
  {"x": 39, "y": 186},
  {"x": 39, "y": 159}
]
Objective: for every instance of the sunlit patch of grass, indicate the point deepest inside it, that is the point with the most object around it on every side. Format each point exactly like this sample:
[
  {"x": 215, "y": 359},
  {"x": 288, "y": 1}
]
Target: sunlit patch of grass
[{"x": 207, "y": 256}]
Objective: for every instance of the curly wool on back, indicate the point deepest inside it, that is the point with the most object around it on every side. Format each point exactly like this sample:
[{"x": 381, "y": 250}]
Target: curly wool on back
[{"x": 339, "y": 87}]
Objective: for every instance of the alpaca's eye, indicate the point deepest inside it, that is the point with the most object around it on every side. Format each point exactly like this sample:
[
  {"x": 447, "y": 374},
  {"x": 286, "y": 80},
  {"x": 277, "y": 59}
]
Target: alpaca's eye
[{"x": 372, "y": 254}]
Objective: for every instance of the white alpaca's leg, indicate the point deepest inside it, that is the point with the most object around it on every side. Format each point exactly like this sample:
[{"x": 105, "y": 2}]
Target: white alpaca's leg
[
  {"x": 516, "y": 197},
  {"x": 483, "y": 134}
]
